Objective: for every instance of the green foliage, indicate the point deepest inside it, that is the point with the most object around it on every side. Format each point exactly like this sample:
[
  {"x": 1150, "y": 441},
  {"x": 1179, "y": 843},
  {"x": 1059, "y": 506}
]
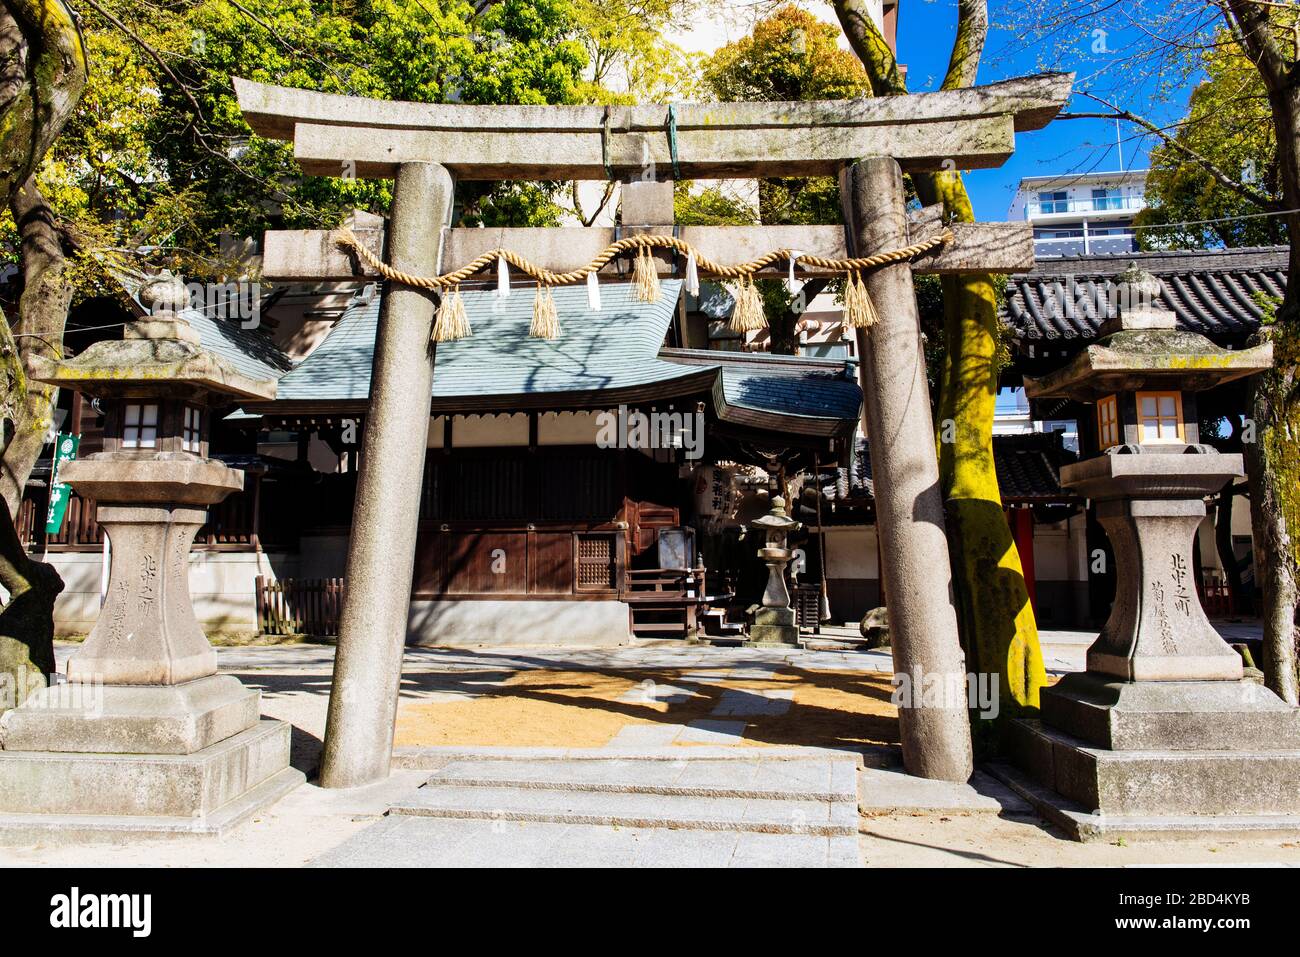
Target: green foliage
[
  {"x": 1229, "y": 124},
  {"x": 629, "y": 59},
  {"x": 158, "y": 163},
  {"x": 790, "y": 55},
  {"x": 711, "y": 206}
]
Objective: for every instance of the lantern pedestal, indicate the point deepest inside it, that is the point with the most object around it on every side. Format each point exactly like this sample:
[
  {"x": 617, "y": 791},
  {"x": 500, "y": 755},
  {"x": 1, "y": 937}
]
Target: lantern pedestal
[{"x": 1150, "y": 506}]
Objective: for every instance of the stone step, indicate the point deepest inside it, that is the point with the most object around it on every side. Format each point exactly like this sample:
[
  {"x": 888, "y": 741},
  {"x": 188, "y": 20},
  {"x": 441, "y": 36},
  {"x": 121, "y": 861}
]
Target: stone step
[
  {"x": 633, "y": 810},
  {"x": 406, "y": 841},
  {"x": 826, "y": 779}
]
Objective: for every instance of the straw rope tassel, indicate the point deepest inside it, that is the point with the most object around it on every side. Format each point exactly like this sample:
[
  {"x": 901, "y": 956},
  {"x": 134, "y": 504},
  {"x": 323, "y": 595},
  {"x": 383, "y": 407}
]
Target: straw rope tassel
[
  {"x": 546, "y": 320},
  {"x": 859, "y": 310},
  {"x": 452, "y": 322},
  {"x": 747, "y": 314},
  {"x": 644, "y": 276}
]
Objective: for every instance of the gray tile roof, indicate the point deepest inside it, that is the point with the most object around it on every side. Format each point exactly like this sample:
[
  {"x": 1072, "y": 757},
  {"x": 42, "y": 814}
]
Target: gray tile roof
[
  {"x": 1028, "y": 467},
  {"x": 250, "y": 351},
  {"x": 788, "y": 385},
  {"x": 1212, "y": 292}
]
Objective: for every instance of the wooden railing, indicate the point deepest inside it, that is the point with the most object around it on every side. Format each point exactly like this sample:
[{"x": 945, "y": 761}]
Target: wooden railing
[{"x": 308, "y": 607}]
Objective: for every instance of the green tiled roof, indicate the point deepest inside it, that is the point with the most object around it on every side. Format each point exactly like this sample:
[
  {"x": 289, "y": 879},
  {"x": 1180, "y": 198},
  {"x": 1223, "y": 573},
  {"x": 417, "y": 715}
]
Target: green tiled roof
[{"x": 611, "y": 349}]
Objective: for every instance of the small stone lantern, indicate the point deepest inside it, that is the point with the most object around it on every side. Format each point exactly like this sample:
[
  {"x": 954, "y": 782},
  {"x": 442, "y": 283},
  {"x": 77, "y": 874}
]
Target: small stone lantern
[
  {"x": 169, "y": 739},
  {"x": 1160, "y": 735},
  {"x": 774, "y": 621}
]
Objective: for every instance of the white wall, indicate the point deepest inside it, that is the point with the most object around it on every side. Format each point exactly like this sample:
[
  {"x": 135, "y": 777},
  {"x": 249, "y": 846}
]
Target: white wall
[
  {"x": 222, "y": 589},
  {"x": 851, "y": 552}
]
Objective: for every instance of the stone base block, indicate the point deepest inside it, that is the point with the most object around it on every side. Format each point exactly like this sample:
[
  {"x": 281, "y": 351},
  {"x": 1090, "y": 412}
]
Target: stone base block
[
  {"x": 132, "y": 719},
  {"x": 1159, "y": 782},
  {"x": 773, "y": 627},
  {"x": 1087, "y": 826},
  {"x": 21, "y": 829},
  {"x": 772, "y": 636},
  {"x": 189, "y": 787},
  {"x": 1170, "y": 715}
]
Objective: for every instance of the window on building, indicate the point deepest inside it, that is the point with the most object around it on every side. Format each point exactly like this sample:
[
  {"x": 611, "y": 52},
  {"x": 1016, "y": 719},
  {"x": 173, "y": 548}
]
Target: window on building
[
  {"x": 1054, "y": 202},
  {"x": 192, "y": 429},
  {"x": 1160, "y": 417},
  {"x": 1108, "y": 422},
  {"x": 140, "y": 425},
  {"x": 1103, "y": 199}
]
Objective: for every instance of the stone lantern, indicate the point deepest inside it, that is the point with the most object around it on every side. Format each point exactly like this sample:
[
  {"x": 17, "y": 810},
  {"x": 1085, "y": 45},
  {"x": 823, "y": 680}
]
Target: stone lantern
[
  {"x": 774, "y": 621},
  {"x": 167, "y": 739},
  {"x": 1160, "y": 733}
]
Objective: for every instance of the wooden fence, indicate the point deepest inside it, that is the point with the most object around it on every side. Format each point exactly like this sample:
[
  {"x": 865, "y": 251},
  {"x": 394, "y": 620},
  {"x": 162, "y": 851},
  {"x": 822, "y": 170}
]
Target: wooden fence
[{"x": 310, "y": 607}]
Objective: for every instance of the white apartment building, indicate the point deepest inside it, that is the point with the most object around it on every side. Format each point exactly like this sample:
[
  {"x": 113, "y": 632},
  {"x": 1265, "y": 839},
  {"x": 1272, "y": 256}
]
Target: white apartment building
[{"x": 1081, "y": 214}]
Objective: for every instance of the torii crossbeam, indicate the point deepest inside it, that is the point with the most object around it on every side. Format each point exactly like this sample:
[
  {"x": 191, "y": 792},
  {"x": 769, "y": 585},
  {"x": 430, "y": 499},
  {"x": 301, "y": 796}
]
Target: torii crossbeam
[{"x": 422, "y": 146}]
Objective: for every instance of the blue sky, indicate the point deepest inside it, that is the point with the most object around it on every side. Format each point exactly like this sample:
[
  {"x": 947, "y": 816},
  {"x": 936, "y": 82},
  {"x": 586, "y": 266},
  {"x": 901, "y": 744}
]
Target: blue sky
[{"x": 925, "y": 31}]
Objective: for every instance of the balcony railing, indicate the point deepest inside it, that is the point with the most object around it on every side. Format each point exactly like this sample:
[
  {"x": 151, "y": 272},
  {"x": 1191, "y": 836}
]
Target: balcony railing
[{"x": 1104, "y": 204}]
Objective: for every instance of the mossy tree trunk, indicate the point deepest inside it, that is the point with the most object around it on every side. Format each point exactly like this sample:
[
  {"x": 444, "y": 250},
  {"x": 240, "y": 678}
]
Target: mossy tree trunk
[
  {"x": 1273, "y": 466},
  {"x": 42, "y": 75},
  {"x": 1272, "y": 456},
  {"x": 999, "y": 631}
]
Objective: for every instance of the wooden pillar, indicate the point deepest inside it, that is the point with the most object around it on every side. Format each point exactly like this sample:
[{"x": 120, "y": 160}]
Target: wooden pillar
[
  {"x": 381, "y": 553},
  {"x": 928, "y": 662}
]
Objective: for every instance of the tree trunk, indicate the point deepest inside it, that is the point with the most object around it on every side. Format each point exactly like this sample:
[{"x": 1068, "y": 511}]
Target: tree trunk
[
  {"x": 1275, "y": 574},
  {"x": 999, "y": 632},
  {"x": 1273, "y": 457},
  {"x": 42, "y": 75},
  {"x": 783, "y": 327},
  {"x": 998, "y": 626}
]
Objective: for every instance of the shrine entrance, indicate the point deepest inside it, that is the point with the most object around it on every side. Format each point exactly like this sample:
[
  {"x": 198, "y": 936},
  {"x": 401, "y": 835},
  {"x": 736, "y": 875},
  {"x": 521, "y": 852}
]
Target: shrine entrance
[{"x": 424, "y": 148}]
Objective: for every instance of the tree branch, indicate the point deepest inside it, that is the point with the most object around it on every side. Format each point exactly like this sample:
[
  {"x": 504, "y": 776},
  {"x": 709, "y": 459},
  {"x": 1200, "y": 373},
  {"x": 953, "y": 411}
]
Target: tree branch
[{"x": 1262, "y": 200}]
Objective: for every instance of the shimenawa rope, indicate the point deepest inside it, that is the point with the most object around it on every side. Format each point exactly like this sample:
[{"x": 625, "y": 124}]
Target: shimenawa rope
[{"x": 452, "y": 323}]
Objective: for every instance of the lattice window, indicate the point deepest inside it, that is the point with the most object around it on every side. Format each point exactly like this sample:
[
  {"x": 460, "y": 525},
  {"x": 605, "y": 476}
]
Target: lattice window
[
  {"x": 597, "y": 568},
  {"x": 192, "y": 429},
  {"x": 140, "y": 425},
  {"x": 1160, "y": 417}
]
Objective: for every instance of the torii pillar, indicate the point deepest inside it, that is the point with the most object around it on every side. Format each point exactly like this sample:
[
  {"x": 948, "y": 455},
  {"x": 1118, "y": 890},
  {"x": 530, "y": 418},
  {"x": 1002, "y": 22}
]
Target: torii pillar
[
  {"x": 381, "y": 552},
  {"x": 909, "y": 507}
]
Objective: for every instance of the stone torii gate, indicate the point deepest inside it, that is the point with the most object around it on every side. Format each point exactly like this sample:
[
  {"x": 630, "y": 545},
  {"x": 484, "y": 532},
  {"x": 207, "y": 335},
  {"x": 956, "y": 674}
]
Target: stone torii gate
[{"x": 426, "y": 147}]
